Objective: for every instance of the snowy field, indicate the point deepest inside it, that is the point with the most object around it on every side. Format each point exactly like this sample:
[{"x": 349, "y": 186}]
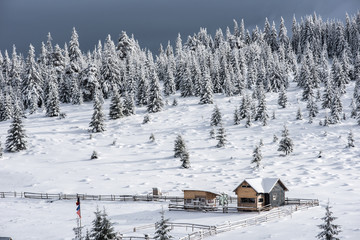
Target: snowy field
[{"x": 58, "y": 160}]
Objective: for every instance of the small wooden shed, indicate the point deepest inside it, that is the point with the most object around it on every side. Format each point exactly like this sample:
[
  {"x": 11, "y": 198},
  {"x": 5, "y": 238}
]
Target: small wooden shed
[
  {"x": 256, "y": 193},
  {"x": 199, "y": 198}
]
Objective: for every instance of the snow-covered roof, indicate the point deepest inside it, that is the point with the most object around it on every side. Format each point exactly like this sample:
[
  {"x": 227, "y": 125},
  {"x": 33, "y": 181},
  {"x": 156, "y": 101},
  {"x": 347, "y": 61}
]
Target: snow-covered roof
[{"x": 263, "y": 185}]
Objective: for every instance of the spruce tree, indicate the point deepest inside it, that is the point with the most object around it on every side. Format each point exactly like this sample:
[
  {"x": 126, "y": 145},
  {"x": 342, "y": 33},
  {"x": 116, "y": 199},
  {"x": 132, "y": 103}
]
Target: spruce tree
[
  {"x": 163, "y": 229},
  {"x": 52, "y": 101},
  {"x": 142, "y": 94},
  {"x": 1, "y": 150},
  {"x": 31, "y": 91},
  {"x": 89, "y": 82},
  {"x": 329, "y": 229},
  {"x": 216, "y": 117},
  {"x": 236, "y": 117},
  {"x": 312, "y": 107},
  {"x": 221, "y": 137},
  {"x": 6, "y": 108},
  {"x": 244, "y": 108},
  {"x": 350, "y": 140},
  {"x": 179, "y": 146},
  {"x": 207, "y": 89},
  {"x": 155, "y": 103},
  {"x": 15, "y": 140},
  {"x": 336, "y": 108},
  {"x": 185, "y": 159},
  {"x": 94, "y": 155},
  {"x": 129, "y": 105},
  {"x": 282, "y": 100},
  {"x": 102, "y": 227},
  {"x": 110, "y": 68},
  {"x": 97, "y": 121},
  {"x": 286, "y": 144},
  {"x": 299, "y": 114},
  {"x": 257, "y": 156},
  {"x": 261, "y": 113},
  {"x": 116, "y": 106},
  {"x": 169, "y": 82}
]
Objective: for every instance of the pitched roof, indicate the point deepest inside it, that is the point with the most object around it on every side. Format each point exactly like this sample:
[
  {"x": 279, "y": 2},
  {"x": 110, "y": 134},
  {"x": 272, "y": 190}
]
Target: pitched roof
[
  {"x": 262, "y": 185},
  {"x": 192, "y": 190}
]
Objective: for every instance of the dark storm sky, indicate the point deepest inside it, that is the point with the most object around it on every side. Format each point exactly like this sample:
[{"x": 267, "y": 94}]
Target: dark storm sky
[{"x": 151, "y": 21}]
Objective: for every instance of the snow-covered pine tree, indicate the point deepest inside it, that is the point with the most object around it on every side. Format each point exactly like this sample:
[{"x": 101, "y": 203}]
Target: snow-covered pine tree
[
  {"x": 102, "y": 227},
  {"x": 221, "y": 136},
  {"x": 299, "y": 114},
  {"x": 97, "y": 123},
  {"x": 244, "y": 108},
  {"x": 329, "y": 229},
  {"x": 6, "y": 108},
  {"x": 169, "y": 82},
  {"x": 207, "y": 89},
  {"x": 186, "y": 84},
  {"x": 1, "y": 150},
  {"x": 155, "y": 103},
  {"x": 94, "y": 155},
  {"x": 286, "y": 144},
  {"x": 282, "y": 100},
  {"x": 312, "y": 107},
  {"x": 75, "y": 55},
  {"x": 179, "y": 146},
  {"x": 216, "y": 117},
  {"x": 89, "y": 82},
  {"x": 275, "y": 138},
  {"x": 163, "y": 229},
  {"x": 261, "y": 112},
  {"x": 15, "y": 140},
  {"x": 125, "y": 46},
  {"x": 236, "y": 116},
  {"x": 350, "y": 140},
  {"x": 257, "y": 156},
  {"x": 116, "y": 106},
  {"x": 129, "y": 105},
  {"x": 110, "y": 68},
  {"x": 146, "y": 119},
  {"x": 353, "y": 109},
  {"x": 52, "y": 100},
  {"x": 336, "y": 107},
  {"x": 142, "y": 94},
  {"x": 65, "y": 92},
  {"x": 185, "y": 159},
  {"x": 339, "y": 76},
  {"x": 31, "y": 90}
]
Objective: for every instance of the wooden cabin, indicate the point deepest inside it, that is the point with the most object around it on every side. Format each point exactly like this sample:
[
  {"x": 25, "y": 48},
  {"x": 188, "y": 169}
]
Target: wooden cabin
[
  {"x": 199, "y": 198},
  {"x": 256, "y": 193}
]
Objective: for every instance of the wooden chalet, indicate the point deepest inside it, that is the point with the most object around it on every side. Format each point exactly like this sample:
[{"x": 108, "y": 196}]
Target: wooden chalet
[
  {"x": 259, "y": 193},
  {"x": 199, "y": 198}
]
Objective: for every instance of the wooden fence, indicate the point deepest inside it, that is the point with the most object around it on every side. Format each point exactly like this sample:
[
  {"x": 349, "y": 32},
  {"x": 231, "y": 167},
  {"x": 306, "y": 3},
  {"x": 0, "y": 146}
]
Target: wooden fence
[
  {"x": 273, "y": 214},
  {"x": 62, "y": 196}
]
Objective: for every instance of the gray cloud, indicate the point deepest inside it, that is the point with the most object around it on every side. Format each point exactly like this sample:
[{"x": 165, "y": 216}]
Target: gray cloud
[{"x": 152, "y": 22}]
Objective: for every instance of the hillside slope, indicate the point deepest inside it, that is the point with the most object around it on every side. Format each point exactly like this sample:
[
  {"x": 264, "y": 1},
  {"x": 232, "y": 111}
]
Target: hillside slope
[{"x": 59, "y": 150}]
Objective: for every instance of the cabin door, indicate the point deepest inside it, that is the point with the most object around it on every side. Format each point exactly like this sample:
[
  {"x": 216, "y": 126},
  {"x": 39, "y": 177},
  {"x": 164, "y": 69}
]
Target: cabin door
[{"x": 267, "y": 199}]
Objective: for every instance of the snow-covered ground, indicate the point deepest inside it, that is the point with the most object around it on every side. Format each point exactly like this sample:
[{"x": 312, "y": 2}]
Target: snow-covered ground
[{"x": 58, "y": 160}]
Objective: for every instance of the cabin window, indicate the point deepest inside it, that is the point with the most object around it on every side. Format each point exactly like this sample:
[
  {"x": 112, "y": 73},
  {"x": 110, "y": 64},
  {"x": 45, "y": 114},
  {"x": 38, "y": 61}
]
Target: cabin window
[
  {"x": 244, "y": 186},
  {"x": 274, "y": 197},
  {"x": 188, "y": 200},
  {"x": 211, "y": 201},
  {"x": 248, "y": 200},
  {"x": 261, "y": 200}
]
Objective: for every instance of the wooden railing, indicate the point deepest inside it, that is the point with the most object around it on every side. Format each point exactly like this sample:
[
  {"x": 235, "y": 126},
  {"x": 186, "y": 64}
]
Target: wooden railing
[
  {"x": 271, "y": 215},
  {"x": 112, "y": 197}
]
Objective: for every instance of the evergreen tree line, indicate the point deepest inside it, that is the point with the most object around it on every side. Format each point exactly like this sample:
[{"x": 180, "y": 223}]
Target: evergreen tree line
[{"x": 261, "y": 61}]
